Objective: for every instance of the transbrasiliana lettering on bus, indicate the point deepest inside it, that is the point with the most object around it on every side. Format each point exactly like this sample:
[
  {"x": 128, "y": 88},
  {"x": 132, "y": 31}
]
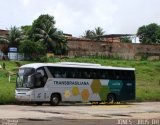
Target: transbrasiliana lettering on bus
[{"x": 71, "y": 83}]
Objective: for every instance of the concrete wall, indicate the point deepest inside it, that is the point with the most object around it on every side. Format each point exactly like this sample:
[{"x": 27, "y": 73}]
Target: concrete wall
[{"x": 119, "y": 50}]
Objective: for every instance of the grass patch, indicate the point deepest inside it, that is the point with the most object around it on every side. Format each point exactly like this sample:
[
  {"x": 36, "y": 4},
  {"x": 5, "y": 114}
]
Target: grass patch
[
  {"x": 6, "y": 88},
  {"x": 7, "y": 91}
]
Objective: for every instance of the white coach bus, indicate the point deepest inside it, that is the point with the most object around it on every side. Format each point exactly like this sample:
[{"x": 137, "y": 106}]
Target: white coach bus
[{"x": 74, "y": 82}]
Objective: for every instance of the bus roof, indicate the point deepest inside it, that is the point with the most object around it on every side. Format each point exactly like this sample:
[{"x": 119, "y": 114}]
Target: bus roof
[{"x": 74, "y": 65}]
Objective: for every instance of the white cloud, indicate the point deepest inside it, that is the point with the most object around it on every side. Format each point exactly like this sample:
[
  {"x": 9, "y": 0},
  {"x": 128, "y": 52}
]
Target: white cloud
[
  {"x": 25, "y": 3},
  {"x": 114, "y": 16}
]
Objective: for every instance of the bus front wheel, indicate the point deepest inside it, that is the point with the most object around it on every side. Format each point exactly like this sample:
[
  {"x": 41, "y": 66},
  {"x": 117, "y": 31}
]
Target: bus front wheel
[
  {"x": 111, "y": 98},
  {"x": 55, "y": 99}
]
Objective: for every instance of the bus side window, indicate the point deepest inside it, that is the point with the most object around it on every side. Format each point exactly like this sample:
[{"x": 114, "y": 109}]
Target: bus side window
[
  {"x": 123, "y": 75},
  {"x": 51, "y": 69},
  {"x": 93, "y": 74},
  {"x": 97, "y": 72},
  {"x": 69, "y": 72},
  {"x": 88, "y": 74},
  {"x": 57, "y": 74},
  {"x": 103, "y": 74},
  {"x": 130, "y": 75},
  {"x": 106, "y": 75},
  {"x": 63, "y": 74},
  {"x": 85, "y": 74},
  {"x": 41, "y": 71},
  {"x": 126, "y": 75},
  {"x": 118, "y": 74},
  {"x": 77, "y": 73},
  {"x": 44, "y": 76},
  {"x": 111, "y": 74}
]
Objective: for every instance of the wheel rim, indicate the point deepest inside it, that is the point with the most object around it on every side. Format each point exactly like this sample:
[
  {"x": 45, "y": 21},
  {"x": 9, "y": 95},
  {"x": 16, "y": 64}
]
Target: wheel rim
[
  {"x": 111, "y": 99},
  {"x": 55, "y": 100}
]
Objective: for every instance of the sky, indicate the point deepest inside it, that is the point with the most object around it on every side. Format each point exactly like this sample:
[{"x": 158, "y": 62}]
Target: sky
[{"x": 76, "y": 16}]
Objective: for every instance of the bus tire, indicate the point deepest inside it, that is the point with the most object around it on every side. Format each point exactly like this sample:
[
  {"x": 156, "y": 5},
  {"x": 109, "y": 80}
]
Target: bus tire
[
  {"x": 55, "y": 99},
  {"x": 111, "y": 98}
]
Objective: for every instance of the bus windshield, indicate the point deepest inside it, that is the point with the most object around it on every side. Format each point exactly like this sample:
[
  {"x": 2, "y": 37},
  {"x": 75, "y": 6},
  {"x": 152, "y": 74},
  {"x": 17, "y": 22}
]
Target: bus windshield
[{"x": 23, "y": 78}]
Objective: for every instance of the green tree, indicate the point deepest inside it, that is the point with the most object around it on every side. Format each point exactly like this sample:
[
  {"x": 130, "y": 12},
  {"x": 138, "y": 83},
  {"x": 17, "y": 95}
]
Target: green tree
[
  {"x": 44, "y": 31},
  {"x": 61, "y": 46},
  {"x": 98, "y": 32},
  {"x": 126, "y": 39},
  {"x": 94, "y": 34},
  {"x": 45, "y": 23},
  {"x": 88, "y": 34},
  {"x": 26, "y": 30},
  {"x": 15, "y": 36},
  {"x": 13, "y": 39},
  {"x": 149, "y": 34},
  {"x": 3, "y": 40},
  {"x": 32, "y": 50}
]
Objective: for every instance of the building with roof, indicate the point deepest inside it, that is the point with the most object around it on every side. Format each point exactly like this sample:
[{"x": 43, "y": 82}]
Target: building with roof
[
  {"x": 110, "y": 38},
  {"x": 116, "y": 38},
  {"x": 4, "y": 33}
]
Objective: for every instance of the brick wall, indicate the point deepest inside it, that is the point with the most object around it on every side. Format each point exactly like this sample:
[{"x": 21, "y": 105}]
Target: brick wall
[{"x": 121, "y": 50}]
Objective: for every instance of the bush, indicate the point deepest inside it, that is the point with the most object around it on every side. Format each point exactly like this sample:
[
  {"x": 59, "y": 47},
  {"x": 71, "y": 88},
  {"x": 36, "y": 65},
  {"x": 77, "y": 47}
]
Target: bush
[
  {"x": 32, "y": 50},
  {"x": 43, "y": 59}
]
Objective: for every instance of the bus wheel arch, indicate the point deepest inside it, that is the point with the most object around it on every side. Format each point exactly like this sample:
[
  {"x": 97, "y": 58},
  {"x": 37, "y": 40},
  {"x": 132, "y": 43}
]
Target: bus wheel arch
[
  {"x": 55, "y": 99},
  {"x": 111, "y": 98}
]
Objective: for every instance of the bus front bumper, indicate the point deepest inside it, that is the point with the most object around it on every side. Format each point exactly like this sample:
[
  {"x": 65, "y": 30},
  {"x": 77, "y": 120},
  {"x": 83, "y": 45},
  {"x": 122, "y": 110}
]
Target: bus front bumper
[{"x": 23, "y": 96}]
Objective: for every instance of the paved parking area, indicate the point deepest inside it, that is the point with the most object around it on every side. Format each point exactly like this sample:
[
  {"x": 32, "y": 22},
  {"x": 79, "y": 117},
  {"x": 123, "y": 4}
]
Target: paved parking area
[{"x": 70, "y": 112}]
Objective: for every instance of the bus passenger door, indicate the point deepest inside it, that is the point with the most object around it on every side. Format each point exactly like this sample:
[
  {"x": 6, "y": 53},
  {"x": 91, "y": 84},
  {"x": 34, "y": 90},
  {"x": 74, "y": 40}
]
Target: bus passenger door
[{"x": 40, "y": 93}]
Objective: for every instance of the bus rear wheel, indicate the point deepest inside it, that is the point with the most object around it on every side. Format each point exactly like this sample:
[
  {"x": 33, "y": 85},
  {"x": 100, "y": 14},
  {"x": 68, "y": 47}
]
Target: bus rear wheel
[
  {"x": 55, "y": 99},
  {"x": 111, "y": 98}
]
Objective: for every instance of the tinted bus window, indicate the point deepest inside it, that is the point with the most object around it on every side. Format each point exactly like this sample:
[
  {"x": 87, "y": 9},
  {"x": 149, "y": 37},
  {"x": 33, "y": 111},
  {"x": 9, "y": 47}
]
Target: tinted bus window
[
  {"x": 127, "y": 75},
  {"x": 111, "y": 74}
]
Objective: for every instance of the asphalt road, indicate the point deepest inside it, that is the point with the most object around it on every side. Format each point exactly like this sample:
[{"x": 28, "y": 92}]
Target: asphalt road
[{"x": 86, "y": 114}]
